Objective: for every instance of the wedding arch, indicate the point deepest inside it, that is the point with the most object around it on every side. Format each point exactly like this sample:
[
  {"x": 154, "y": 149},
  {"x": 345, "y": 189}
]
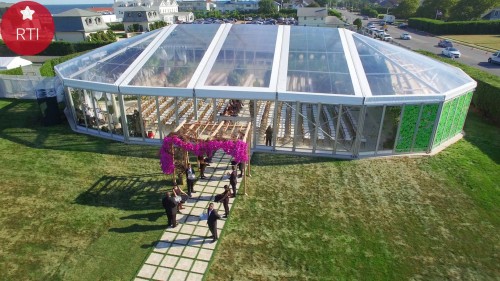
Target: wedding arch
[{"x": 205, "y": 138}]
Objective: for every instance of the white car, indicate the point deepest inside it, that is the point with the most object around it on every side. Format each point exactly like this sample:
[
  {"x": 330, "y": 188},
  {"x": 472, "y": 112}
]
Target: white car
[
  {"x": 386, "y": 37},
  {"x": 405, "y": 36},
  {"x": 451, "y": 52},
  {"x": 495, "y": 58}
]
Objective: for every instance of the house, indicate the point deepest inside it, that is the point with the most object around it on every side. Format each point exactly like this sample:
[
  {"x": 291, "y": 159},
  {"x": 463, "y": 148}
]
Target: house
[
  {"x": 493, "y": 14},
  {"x": 195, "y": 5},
  {"x": 107, "y": 13},
  {"x": 295, "y": 4},
  {"x": 165, "y": 8},
  {"x": 7, "y": 63},
  {"x": 235, "y": 5},
  {"x": 76, "y": 24},
  {"x": 140, "y": 16},
  {"x": 312, "y": 16}
]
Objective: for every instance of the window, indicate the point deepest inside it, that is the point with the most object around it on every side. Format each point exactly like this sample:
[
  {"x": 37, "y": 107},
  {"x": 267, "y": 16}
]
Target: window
[
  {"x": 305, "y": 18},
  {"x": 139, "y": 14},
  {"x": 88, "y": 21}
]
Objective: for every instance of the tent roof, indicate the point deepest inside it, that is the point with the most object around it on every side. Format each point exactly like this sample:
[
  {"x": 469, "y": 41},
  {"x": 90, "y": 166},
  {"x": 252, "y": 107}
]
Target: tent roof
[
  {"x": 13, "y": 62},
  {"x": 303, "y": 63}
]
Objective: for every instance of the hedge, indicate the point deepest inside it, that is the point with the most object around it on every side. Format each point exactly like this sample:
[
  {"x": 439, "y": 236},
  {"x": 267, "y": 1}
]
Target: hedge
[
  {"x": 62, "y": 48},
  {"x": 439, "y": 27},
  {"x": 47, "y": 68},
  {"x": 14, "y": 71},
  {"x": 486, "y": 97}
]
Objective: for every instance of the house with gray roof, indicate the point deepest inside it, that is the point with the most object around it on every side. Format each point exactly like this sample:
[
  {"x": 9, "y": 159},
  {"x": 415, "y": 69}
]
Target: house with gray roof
[
  {"x": 140, "y": 16},
  {"x": 76, "y": 24}
]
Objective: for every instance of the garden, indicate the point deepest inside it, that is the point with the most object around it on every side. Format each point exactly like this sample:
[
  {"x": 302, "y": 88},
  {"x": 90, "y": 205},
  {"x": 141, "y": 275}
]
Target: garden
[{"x": 75, "y": 207}]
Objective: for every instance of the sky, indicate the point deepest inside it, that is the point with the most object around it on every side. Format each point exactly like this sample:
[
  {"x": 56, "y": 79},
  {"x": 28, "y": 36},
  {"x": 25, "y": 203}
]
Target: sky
[{"x": 65, "y": 2}]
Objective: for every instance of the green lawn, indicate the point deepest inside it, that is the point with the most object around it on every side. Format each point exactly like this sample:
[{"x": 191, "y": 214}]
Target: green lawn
[
  {"x": 430, "y": 218},
  {"x": 488, "y": 41},
  {"x": 80, "y": 208},
  {"x": 73, "y": 207}
]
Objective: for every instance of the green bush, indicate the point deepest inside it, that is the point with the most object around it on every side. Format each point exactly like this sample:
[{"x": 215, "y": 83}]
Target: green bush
[
  {"x": 486, "y": 98},
  {"x": 14, "y": 71},
  {"x": 369, "y": 12},
  {"x": 47, "y": 69},
  {"x": 439, "y": 27},
  {"x": 58, "y": 48},
  {"x": 86, "y": 46},
  {"x": 116, "y": 26}
]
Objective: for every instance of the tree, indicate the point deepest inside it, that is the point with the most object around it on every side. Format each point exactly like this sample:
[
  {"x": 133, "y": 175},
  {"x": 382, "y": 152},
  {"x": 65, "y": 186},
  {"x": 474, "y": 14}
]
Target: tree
[
  {"x": 429, "y": 8},
  {"x": 469, "y": 10},
  {"x": 267, "y": 7},
  {"x": 313, "y": 4},
  {"x": 357, "y": 22},
  {"x": 406, "y": 9},
  {"x": 100, "y": 36}
]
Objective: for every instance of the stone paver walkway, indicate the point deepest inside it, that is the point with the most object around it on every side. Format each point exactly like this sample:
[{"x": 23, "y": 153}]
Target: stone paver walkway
[{"x": 183, "y": 252}]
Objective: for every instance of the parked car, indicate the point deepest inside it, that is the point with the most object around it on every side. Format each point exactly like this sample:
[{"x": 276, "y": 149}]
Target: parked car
[
  {"x": 451, "y": 52},
  {"x": 405, "y": 36},
  {"x": 494, "y": 58},
  {"x": 365, "y": 18},
  {"x": 386, "y": 37},
  {"x": 445, "y": 43}
]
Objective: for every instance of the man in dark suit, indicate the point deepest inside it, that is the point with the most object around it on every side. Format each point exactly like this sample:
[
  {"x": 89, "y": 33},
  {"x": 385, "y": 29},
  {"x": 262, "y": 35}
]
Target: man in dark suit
[
  {"x": 190, "y": 179},
  {"x": 170, "y": 207},
  {"x": 233, "y": 179},
  {"x": 212, "y": 221}
]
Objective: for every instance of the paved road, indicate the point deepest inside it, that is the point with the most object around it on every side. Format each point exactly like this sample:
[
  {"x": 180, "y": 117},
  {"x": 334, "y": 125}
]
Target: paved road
[{"x": 420, "y": 40}]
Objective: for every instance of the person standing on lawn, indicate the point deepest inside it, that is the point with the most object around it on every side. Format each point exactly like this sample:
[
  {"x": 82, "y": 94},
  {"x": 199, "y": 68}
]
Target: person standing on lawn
[
  {"x": 225, "y": 200},
  {"x": 170, "y": 207},
  {"x": 212, "y": 221}
]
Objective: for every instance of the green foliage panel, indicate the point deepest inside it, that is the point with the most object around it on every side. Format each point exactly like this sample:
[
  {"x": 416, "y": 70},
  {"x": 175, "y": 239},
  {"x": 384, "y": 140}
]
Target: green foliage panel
[
  {"x": 407, "y": 129},
  {"x": 452, "y": 118},
  {"x": 425, "y": 127},
  {"x": 457, "y": 127},
  {"x": 442, "y": 123},
  {"x": 465, "y": 109}
]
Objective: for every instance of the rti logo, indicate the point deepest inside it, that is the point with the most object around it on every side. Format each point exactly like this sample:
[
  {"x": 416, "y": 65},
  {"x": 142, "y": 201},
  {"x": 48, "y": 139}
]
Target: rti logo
[{"x": 27, "y": 28}]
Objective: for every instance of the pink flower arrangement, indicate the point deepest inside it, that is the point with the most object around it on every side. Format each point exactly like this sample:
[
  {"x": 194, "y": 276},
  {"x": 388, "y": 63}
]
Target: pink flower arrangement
[{"x": 238, "y": 149}]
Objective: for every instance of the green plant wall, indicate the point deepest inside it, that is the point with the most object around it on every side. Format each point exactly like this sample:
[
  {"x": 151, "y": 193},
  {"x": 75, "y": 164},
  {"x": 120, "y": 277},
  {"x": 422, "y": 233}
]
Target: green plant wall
[
  {"x": 425, "y": 127},
  {"x": 452, "y": 118},
  {"x": 407, "y": 129}
]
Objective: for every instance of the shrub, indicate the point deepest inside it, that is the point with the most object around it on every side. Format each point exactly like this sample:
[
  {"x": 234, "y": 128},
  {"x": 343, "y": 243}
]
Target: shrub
[
  {"x": 439, "y": 27},
  {"x": 486, "y": 98},
  {"x": 116, "y": 26},
  {"x": 47, "y": 69},
  {"x": 14, "y": 71}
]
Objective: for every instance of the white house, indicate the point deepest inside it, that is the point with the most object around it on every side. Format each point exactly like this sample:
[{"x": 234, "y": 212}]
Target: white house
[
  {"x": 142, "y": 16},
  {"x": 195, "y": 5},
  {"x": 312, "y": 16},
  {"x": 166, "y": 9},
  {"x": 76, "y": 24}
]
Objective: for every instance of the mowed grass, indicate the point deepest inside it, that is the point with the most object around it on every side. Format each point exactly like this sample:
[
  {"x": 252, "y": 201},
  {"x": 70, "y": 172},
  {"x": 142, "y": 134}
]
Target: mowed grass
[
  {"x": 425, "y": 218},
  {"x": 487, "y": 41},
  {"x": 73, "y": 207}
]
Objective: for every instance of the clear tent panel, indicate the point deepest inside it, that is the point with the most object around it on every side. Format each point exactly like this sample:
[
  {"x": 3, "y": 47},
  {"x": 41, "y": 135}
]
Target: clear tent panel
[
  {"x": 246, "y": 57},
  {"x": 177, "y": 57},
  {"x": 86, "y": 62},
  {"x": 108, "y": 71},
  {"x": 416, "y": 73},
  {"x": 317, "y": 63}
]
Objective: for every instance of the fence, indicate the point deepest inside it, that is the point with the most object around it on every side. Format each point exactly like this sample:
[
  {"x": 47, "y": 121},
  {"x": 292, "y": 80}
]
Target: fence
[{"x": 21, "y": 86}]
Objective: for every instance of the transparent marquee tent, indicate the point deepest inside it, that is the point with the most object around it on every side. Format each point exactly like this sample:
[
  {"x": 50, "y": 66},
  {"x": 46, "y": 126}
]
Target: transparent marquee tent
[{"x": 323, "y": 91}]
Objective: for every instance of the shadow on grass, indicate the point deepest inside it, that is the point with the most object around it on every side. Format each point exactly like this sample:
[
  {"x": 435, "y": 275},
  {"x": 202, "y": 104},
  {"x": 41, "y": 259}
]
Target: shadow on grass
[
  {"x": 134, "y": 192},
  {"x": 147, "y": 217},
  {"x": 271, "y": 159},
  {"x": 484, "y": 135},
  {"x": 21, "y": 123},
  {"x": 137, "y": 228}
]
